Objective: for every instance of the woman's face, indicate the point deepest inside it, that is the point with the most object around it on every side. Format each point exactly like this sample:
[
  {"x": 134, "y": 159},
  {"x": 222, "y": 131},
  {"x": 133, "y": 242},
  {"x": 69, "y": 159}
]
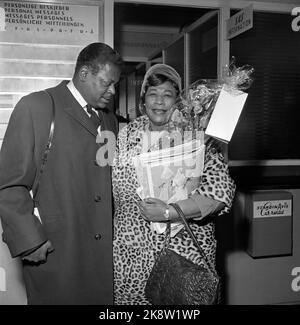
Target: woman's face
[{"x": 159, "y": 101}]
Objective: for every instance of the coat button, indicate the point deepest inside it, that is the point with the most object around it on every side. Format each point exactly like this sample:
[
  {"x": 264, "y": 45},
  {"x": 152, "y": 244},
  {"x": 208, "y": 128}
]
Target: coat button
[
  {"x": 98, "y": 236},
  {"x": 97, "y": 198}
]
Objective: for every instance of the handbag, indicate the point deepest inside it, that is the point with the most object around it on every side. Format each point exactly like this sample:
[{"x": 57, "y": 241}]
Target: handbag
[{"x": 175, "y": 280}]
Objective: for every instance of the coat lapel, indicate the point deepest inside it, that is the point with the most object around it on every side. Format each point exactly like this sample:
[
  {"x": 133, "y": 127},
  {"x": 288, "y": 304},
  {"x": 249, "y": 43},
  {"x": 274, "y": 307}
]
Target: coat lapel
[
  {"x": 72, "y": 108},
  {"x": 81, "y": 117}
]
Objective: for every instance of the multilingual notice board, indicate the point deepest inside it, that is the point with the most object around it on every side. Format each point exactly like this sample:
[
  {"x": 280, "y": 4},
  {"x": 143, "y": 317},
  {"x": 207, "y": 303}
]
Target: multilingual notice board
[{"x": 49, "y": 23}]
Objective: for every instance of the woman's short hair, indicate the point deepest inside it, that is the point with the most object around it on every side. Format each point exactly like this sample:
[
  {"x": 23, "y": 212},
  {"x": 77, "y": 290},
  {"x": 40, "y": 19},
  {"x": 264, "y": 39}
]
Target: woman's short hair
[{"x": 96, "y": 54}]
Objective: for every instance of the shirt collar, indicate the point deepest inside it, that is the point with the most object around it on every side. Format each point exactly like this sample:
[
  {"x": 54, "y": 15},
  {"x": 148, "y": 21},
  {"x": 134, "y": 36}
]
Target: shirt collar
[{"x": 82, "y": 102}]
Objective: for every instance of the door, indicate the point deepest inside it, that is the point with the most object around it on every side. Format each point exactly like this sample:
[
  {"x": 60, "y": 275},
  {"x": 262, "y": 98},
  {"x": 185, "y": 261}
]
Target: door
[{"x": 194, "y": 54}]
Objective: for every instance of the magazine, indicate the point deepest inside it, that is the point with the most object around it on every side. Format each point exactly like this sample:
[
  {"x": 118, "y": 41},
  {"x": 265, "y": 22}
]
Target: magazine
[{"x": 170, "y": 175}]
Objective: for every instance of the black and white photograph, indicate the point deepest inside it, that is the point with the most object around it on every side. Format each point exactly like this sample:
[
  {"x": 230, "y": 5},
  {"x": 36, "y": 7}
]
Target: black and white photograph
[{"x": 149, "y": 156}]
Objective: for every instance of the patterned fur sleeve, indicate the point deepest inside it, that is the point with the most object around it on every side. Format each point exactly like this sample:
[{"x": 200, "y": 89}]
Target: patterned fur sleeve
[
  {"x": 216, "y": 182},
  {"x": 117, "y": 163}
]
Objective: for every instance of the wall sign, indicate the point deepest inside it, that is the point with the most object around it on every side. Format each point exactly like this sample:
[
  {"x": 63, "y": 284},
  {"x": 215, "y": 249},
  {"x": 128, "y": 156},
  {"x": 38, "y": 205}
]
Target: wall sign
[
  {"x": 50, "y": 23},
  {"x": 276, "y": 208},
  {"x": 240, "y": 22}
]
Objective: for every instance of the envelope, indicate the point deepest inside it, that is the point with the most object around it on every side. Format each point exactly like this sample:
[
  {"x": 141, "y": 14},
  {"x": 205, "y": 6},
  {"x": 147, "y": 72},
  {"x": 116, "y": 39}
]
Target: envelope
[{"x": 225, "y": 115}]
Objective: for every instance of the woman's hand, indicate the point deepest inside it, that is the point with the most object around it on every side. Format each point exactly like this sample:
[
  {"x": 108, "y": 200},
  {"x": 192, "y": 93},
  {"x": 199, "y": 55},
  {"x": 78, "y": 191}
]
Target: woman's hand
[{"x": 153, "y": 209}]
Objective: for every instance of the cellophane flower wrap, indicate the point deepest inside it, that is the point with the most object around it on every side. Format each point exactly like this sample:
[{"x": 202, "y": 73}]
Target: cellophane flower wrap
[{"x": 196, "y": 104}]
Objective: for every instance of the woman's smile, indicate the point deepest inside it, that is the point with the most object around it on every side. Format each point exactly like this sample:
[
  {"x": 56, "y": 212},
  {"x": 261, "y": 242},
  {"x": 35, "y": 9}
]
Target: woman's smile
[{"x": 159, "y": 111}]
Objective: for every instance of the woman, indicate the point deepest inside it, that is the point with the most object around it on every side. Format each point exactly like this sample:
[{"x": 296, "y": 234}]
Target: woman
[{"x": 135, "y": 243}]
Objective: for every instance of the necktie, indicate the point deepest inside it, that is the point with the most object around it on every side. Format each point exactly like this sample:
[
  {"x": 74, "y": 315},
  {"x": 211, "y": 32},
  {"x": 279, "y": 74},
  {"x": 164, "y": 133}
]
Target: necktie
[{"x": 93, "y": 116}]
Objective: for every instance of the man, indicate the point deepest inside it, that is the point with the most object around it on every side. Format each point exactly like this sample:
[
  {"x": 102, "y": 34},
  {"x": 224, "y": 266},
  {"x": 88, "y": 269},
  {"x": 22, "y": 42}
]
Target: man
[{"x": 67, "y": 256}]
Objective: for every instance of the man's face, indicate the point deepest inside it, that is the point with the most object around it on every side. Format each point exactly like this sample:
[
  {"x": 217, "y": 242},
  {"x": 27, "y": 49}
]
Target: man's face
[{"x": 98, "y": 89}]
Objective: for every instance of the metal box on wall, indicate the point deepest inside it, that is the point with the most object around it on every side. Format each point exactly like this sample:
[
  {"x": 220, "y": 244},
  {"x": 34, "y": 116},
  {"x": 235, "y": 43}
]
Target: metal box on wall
[{"x": 270, "y": 219}]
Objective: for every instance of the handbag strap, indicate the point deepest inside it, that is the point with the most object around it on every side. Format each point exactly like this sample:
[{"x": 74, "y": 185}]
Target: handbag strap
[
  {"x": 47, "y": 150},
  {"x": 188, "y": 228}
]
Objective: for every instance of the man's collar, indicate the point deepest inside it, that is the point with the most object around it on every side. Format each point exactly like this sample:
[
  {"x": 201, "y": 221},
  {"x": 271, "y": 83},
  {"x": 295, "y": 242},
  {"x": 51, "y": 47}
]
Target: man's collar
[{"x": 82, "y": 102}]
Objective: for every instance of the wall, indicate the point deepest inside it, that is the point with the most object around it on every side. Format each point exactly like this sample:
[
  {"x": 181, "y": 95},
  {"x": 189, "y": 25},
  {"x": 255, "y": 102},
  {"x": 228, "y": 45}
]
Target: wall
[
  {"x": 39, "y": 52},
  {"x": 12, "y": 290},
  {"x": 261, "y": 281},
  {"x": 137, "y": 43}
]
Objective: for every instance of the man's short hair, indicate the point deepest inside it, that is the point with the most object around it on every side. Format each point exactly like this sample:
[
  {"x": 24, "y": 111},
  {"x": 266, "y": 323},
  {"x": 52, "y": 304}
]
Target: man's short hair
[{"x": 96, "y": 54}]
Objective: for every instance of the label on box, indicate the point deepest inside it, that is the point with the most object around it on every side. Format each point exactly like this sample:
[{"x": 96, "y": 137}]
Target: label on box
[{"x": 278, "y": 208}]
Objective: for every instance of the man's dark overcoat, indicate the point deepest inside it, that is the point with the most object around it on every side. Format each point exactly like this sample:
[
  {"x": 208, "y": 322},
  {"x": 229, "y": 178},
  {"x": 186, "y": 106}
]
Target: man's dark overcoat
[{"x": 74, "y": 198}]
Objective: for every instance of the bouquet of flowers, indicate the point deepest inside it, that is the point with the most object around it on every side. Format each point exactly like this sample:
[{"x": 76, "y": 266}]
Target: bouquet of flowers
[
  {"x": 196, "y": 105},
  {"x": 171, "y": 166}
]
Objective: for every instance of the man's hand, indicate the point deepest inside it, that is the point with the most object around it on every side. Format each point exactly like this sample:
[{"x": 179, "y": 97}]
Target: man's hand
[{"x": 39, "y": 255}]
